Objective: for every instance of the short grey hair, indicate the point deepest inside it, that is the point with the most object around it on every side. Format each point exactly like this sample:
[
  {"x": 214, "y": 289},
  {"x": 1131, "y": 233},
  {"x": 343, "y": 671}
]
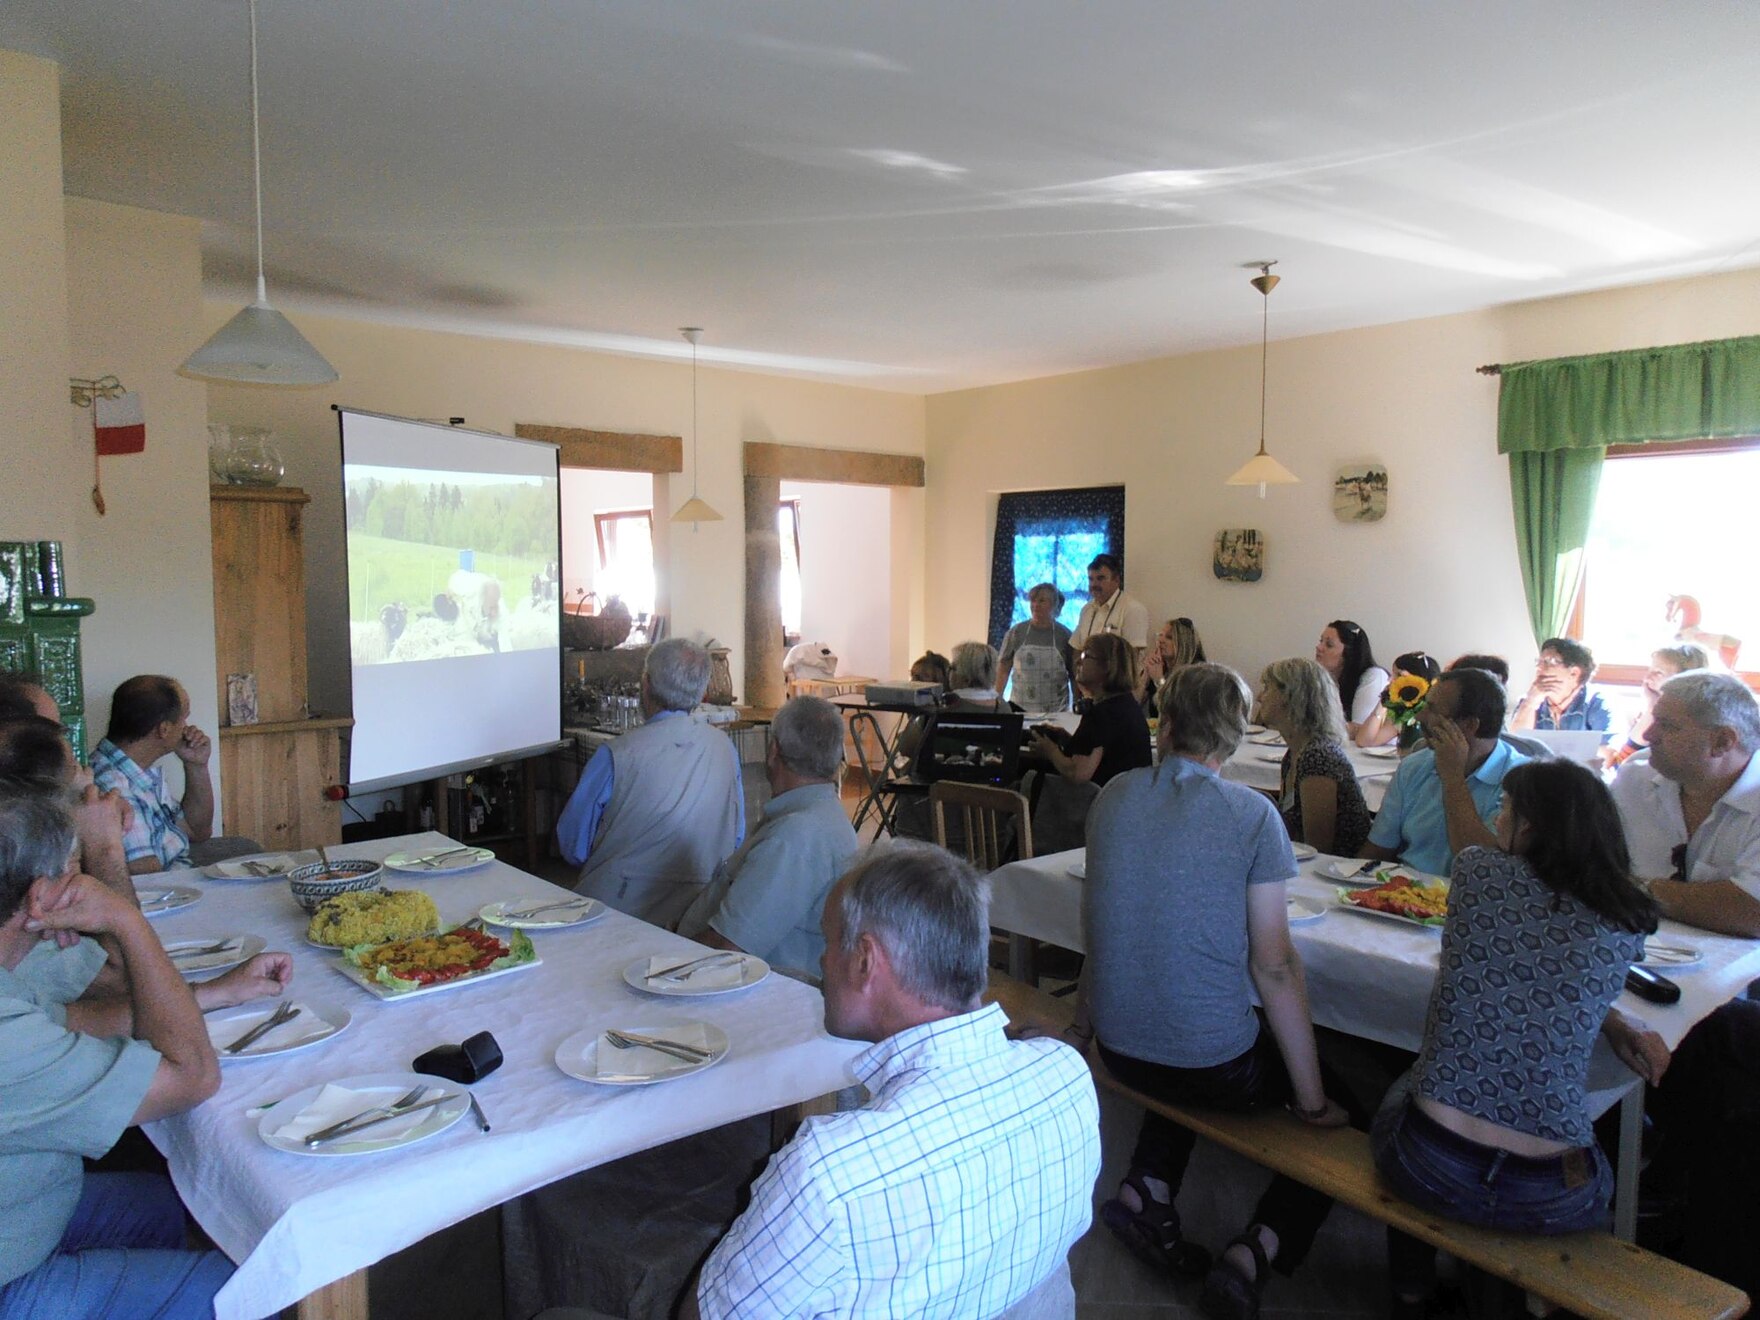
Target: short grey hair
[
  {"x": 930, "y": 911},
  {"x": 974, "y": 665},
  {"x": 677, "y": 671},
  {"x": 1204, "y": 710},
  {"x": 36, "y": 839},
  {"x": 1685, "y": 655},
  {"x": 808, "y": 733},
  {"x": 1312, "y": 697},
  {"x": 1715, "y": 700}
]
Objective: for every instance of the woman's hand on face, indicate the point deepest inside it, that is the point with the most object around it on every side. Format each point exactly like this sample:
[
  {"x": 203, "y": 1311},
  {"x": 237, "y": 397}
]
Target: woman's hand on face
[{"x": 1154, "y": 665}]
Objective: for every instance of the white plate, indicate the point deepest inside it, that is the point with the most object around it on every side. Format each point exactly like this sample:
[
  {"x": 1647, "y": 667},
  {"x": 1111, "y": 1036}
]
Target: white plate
[
  {"x": 315, "y": 1024},
  {"x": 156, "y": 900},
  {"x": 578, "y": 1056},
  {"x": 268, "y": 866},
  {"x": 1256, "y": 728},
  {"x": 590, "y": 909},
  {"x": 1304, "y": 909},
  {"x": 1350, "y": 872},
  {"x": 385, "y": 992},
  {"x": 1271, "y": 740},
  {"x": 394, "y": 1084},
  {"x": 1664, "y": 956},
  {"x": 1387, "y": 753},
  {"x": 1269, "y": 758},
  {"x": 454, "y": 860},
  {"x": 241, "y": 948},
  {"x": 1304, "y": 851},
  {"x": 752, "y": 970},
  {"x": 1079, "y": 869}
]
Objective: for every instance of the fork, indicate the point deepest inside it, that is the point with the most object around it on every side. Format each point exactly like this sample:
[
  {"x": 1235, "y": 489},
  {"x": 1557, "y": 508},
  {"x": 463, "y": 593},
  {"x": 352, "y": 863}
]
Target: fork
[
  {"x": 548, "y": 907},
  {"x": 218, "y": 947},
  {"x": 623, "y": 1040},
  {"x": 391, "y": 1110},
  {"x": 286, "y": 1013},
  {"x": 685, "y": 970}
]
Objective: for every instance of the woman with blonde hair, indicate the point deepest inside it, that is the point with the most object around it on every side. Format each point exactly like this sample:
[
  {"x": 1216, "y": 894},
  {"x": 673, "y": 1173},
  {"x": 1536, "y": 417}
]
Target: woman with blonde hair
[
  {"x": 1175, "y": 646},
  {"x": 973, "y": 678},
  {"x": 1321, "y": 802}
]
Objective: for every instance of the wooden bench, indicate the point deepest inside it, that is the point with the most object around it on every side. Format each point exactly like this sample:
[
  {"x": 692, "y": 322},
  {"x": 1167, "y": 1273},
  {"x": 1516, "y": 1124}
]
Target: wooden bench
[{"x": 1592, "y": 1274}]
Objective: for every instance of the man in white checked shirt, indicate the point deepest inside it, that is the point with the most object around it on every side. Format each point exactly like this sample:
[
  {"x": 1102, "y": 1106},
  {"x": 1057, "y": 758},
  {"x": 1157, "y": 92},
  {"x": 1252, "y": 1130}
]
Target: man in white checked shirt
[{"x": 957, "y": 1190}]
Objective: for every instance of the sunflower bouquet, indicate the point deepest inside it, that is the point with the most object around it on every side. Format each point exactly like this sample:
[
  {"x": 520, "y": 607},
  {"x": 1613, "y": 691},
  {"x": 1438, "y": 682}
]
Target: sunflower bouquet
[{"x": 1404, "y": 698}]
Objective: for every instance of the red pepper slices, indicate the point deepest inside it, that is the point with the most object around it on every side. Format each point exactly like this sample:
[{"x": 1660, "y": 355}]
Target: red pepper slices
[{"x": 430, "y": 959}]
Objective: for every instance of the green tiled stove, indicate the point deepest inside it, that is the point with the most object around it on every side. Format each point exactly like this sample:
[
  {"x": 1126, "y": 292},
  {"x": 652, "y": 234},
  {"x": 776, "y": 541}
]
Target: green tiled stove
[{"x": 39, "y": 628}]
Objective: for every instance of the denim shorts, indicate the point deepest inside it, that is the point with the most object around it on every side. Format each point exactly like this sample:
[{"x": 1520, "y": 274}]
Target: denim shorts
[{"x": 1445, "y": 1173}]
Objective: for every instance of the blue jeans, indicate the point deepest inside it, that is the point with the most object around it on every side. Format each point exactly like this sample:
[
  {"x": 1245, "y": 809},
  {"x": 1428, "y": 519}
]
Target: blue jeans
[{"x": 122, "y": 1254}]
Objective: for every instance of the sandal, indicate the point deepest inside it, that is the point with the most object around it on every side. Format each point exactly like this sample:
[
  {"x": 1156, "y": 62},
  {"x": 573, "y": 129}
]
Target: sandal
[
  {"x": 1230, "y": 1295},
  {"x": 1153, "y": 1233}
]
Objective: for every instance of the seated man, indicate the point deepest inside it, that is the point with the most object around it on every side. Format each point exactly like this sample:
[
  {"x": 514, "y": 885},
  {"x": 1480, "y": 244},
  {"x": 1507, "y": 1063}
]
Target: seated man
[
  {"x": 959, "y": 1187},
  {"x": 1559, "y": 697},
  {"x": 108, "y": 1244},
  {"x": 149, "y": 720},
  {"x": 658, "y": 808},
  {"x": 1413, "y": 824},
  {"x": 1692, "y": 812},
  {"x": 767, "y": 897}
]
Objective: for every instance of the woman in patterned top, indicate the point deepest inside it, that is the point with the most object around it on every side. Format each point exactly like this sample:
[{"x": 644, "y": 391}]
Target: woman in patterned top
[
  {"x": 1322, "y": 803},
  {"x": 1491, "y": 1125}
]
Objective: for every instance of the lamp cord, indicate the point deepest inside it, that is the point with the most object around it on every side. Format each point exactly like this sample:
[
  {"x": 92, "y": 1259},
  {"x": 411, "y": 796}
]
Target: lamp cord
[
  {"x": 694, "y": 463},
  {"x": 1264, "y": 340},
  {"x": 257, "y": 157}
]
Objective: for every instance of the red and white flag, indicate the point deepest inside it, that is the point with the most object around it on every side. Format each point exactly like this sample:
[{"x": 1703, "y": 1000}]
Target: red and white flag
[{"x": 120, "y": 423}]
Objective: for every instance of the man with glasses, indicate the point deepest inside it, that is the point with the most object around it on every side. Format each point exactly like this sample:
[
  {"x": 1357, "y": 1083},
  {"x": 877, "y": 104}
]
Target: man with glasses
[
  {"x": 1559, "y": 697},
  {"x": 1692, "y": 812}
]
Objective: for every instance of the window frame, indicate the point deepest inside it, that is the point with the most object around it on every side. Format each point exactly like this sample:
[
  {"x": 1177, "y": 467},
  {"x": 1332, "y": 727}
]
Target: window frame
[
  {"x": 793, "y": 505},
  {"x": 1620, "y": 674}
]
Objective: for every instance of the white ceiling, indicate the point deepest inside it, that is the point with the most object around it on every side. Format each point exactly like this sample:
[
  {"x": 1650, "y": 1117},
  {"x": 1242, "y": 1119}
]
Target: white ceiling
[{"x": 922, "y": 194}]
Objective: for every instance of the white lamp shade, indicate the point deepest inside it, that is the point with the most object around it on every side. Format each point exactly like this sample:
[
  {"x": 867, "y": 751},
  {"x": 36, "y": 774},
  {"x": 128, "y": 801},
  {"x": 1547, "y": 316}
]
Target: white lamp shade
[
  {"x": 259, "y": 346},
  {"x": 1263, "y": 470},
  {"x": 695, "y": 510}
]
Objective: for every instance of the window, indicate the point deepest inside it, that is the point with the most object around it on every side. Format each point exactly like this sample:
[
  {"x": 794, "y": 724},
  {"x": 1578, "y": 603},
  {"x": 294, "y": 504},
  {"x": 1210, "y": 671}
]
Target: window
[
  {"x": 626, "y": 558},
  {"x": 1670, "y": 555},
  {"x": 788, "y": 532},
  {"x": 1050, "y": 536}
]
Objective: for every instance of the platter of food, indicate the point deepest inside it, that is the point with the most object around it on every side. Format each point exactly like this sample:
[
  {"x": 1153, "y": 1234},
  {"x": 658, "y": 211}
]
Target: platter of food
[
  {"x": 372, "y": 917},
  {"x": 427, "y": 964},
  {"x": 1408, "y": 897}
]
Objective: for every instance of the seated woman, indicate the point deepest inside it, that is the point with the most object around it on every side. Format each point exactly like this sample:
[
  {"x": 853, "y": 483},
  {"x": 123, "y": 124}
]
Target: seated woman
[
  {"x": 1036, "y": 655},
  {"x": 973, "y": 678},
  {"x": 1322, "y": 802},
  {"x": 1491, "y": 1125},
  {"x": 1344, "y": 652},
  {"x": 1113, "y": 736},
  {"x": 1177, "y": 644},
  {"x": 1559, "y": 697},
  {"x": 1177, "y": 856},
  {"x": 933, "y": 667},
  {"x": 1379, "y": 729},
  {"x": 1664, "y": 665}
]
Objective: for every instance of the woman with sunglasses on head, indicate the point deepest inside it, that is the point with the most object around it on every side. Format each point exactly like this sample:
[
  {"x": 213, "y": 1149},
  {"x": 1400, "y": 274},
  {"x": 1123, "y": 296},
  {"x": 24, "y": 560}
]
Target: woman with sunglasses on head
[
  {"x": 1379, "y": 729},
  {"x": 1177, "y": 644},
  {"x": 1344, "y": 652}
]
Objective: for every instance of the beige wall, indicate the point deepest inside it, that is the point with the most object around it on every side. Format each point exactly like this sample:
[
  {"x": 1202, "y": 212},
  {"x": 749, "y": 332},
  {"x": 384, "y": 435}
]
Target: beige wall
[
  {"x": 494, "y": 384},
  {"x": 134, "y": 311},
  {"x": 1438, "y": 573}
]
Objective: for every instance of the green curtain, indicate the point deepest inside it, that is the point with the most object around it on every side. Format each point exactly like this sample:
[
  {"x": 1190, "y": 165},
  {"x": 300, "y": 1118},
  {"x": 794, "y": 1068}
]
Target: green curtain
[{"x": 1556, "y": 419}]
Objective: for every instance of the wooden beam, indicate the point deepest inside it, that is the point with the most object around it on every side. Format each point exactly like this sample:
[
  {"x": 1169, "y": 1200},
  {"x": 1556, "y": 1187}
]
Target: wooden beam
[
  {"x": 854, "y": 467},
  {"x": 763, "y": 686},
  {"x": 621, "y": 451}
]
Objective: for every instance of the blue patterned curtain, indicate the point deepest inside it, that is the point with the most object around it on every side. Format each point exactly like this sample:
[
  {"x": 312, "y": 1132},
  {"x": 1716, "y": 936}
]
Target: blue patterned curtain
[{"x": 1050, "y": 536}]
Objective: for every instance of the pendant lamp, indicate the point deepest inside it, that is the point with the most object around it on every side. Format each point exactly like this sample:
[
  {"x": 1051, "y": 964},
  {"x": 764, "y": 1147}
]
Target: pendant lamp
[
  {"x": 1262, "y": 470},
  {"x": 694, "y": 510},
  {"x": 259, "y": 346}
]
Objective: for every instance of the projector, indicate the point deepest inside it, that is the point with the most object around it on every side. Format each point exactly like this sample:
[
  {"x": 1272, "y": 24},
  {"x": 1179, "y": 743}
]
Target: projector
[{"x": 903, "y": 692}]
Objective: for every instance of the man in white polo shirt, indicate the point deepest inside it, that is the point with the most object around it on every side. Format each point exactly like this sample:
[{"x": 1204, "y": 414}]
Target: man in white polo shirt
[
  {"x": 1692, "y": 811},
  {"x": 1109, "y": 609}
]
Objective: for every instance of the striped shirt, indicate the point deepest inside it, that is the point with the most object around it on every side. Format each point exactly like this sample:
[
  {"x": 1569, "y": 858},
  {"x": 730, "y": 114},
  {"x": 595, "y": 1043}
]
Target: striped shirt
[
  {"x": 159, "y": 830},
  {"x": 953, "y": 1192}
]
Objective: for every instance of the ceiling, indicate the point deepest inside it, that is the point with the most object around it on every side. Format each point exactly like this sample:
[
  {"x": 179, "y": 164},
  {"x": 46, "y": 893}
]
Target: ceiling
[{"x": 921, "y": 194}]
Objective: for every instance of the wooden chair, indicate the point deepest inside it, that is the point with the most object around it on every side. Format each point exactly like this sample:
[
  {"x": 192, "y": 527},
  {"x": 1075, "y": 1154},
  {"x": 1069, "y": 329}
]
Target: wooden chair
[{"x": 983, "y": 812}]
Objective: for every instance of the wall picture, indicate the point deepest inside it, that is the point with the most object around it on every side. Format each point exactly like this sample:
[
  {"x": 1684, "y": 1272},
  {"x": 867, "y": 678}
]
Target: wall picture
[
  {"x": 1240, "y": 555},
  {"x": 1359, "y": 493}
]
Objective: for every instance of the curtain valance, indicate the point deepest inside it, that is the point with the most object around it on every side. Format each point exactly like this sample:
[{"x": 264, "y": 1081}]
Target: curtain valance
[{"x": 1709, "y": 390}]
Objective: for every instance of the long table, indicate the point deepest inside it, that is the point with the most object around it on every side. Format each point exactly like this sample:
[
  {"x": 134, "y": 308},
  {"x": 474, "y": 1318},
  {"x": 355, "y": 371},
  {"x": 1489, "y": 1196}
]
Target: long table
[
  {"x": 1372, "y": 978},
  {"x": 299, "y": 1225},
  {"x": 1258, "y": 764}
]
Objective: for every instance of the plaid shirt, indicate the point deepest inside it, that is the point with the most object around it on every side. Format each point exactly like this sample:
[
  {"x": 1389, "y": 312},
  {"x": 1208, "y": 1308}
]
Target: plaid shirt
[
  {"x": 159, "y": 830},
  {"x": 957, "y": 1189}
]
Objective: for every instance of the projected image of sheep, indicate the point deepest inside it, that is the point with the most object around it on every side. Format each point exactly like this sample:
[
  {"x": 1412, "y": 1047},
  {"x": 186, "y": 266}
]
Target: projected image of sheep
[{"x": 444, "y": 564}]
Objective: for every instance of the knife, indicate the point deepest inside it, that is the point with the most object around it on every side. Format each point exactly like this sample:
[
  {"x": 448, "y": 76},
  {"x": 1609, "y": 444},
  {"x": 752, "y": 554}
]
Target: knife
[{"x": 349, "y": 1126}]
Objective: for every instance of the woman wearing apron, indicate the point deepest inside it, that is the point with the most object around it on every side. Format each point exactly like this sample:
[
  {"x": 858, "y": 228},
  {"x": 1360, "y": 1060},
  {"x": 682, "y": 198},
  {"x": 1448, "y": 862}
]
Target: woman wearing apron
[{"x": 1036, "y": 655}]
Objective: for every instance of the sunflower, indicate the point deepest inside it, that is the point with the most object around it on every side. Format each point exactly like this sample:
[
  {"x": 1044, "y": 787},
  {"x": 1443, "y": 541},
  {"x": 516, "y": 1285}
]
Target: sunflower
[{"x": 1407, "y": 690}]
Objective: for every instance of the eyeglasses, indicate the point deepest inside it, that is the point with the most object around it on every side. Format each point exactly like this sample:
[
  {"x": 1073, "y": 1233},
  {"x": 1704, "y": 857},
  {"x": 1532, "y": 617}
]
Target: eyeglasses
[{"x": 1555, "y": 662}]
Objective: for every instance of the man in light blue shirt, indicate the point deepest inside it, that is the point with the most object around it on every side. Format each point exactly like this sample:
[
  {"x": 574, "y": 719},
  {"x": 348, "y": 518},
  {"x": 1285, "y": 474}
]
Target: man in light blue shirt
[
  {"x": 767, "y": 897},
  {"x": 1412, "y": 825}
]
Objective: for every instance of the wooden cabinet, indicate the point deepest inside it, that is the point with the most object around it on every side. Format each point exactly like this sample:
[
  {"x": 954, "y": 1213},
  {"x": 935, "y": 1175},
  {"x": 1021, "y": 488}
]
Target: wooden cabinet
[{"x": 273, "y": 774}]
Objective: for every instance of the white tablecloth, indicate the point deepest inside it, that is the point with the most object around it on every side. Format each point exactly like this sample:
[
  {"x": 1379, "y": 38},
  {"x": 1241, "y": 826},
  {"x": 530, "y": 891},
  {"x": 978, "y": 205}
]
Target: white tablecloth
[
  {"x": 1369, "y": 977},
  {"x": 294, "y": 1223},
  {"x": 1258, "y": 765}
]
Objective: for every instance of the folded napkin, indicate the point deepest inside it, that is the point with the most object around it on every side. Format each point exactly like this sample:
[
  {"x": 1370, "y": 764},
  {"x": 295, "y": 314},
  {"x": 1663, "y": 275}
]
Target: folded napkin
[
  {"x": 706, "y": 976},
  {"x": 639, "y": 1061},
  {"x": 335, "y": 1103},
  {"x": 185, "y": 960},
  {"x": 257, "y": 868},
  {"x": 295, "y": 1031}
]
